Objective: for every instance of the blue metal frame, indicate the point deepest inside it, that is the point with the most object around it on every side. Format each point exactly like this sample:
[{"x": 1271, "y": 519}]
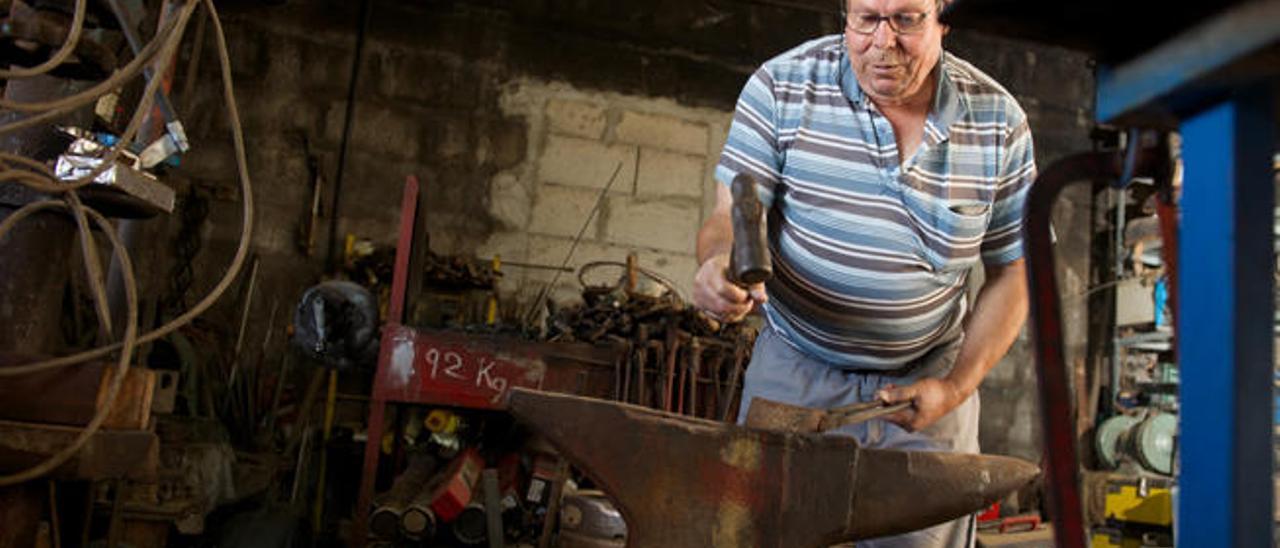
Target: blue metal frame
[
  {"x": 1225, "y": 324},
  {"x": 1200, "y": 79},
  {"x": 1163, "y": 77}
]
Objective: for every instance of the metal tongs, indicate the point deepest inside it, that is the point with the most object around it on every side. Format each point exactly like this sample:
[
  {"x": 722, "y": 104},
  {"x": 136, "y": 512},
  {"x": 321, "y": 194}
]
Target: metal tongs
[{"x": 766, "y": 414}]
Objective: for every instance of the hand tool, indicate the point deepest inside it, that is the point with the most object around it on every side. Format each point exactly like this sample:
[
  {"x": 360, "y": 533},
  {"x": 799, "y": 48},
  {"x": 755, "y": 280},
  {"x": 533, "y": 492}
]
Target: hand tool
[
  {"x": 768, "y": 414},
  {"x": 749, "y": 260},
  {"x": 682, "y": 482}
]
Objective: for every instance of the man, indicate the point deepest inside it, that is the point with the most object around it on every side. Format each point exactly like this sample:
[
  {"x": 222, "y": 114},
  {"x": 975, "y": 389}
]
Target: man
[{"x": 889, "y": 168}]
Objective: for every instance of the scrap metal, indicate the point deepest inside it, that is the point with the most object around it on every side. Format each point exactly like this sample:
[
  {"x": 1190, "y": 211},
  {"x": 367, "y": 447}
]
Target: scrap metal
[
  {"x": 672, "y": 357},
  {"x": 391, "y": 505}
]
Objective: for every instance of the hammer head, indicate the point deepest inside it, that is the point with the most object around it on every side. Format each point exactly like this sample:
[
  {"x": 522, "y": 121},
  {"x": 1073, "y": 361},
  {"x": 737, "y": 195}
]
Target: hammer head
[{"x": 749, "y": 262}]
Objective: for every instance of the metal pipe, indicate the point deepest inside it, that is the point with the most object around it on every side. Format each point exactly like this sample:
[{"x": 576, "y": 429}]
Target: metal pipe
[
  {"x": 1132, "y": 139},
  {"x": 1054, "y": 378},
  {"x": 366, "y": 12},
  {"x": 1118, "y": 273}
]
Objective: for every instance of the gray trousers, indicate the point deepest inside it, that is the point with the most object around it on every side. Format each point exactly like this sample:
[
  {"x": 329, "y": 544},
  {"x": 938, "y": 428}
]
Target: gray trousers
[{"x": 781, "y": 373}]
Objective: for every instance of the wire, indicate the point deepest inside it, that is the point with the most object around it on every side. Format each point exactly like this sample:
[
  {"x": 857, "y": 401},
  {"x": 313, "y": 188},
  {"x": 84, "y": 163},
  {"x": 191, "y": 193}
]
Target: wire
[
  {"x": 68, "y": 47},
  {"x": 537, "y": 303},
  {"x": 665, "y": 281},
  {"x": 246, "y": 194},
  {"x": 122, "y": 76},
  {"x": 167, "y": 49},
  {"x": 122, "y": 366},
  {"x": 36, "y": 175}
]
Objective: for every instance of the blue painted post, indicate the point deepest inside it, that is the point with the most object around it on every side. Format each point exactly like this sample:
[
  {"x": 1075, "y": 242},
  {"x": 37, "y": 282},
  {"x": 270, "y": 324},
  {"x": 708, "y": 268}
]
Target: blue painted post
[{"x": 1225, "y": 325}]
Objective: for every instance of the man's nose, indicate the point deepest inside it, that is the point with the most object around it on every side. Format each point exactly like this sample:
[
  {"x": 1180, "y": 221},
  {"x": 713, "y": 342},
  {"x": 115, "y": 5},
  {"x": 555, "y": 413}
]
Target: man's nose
[{"x": 884, "y": 37}]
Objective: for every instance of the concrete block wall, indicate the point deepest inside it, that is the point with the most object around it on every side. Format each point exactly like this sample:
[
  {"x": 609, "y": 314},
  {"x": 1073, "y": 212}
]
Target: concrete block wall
[{"x": 631, "y": 174}]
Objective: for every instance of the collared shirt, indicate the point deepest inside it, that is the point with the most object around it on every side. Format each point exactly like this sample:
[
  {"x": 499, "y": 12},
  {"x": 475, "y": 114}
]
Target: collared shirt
[{"x": 871, "y": 255}]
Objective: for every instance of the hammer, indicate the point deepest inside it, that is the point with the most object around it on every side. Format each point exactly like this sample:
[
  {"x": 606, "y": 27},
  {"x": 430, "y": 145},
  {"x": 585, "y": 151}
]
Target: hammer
[{"x": 749, "y": 261}]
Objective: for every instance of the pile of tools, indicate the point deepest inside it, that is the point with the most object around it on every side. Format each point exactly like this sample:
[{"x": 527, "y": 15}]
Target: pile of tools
[
  {"x": 676, "y": 359},
  {"x": 458, "y": 272}
]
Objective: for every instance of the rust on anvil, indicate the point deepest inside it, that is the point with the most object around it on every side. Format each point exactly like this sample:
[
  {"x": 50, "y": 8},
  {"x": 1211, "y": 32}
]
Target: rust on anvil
[{"x": 685, "y": 482}]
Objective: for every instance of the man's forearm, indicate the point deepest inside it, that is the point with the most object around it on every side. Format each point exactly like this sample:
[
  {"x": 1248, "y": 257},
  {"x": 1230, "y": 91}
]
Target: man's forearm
[
  {"x": 997, "y": 317},
  {"x": 716, "y": 236}
]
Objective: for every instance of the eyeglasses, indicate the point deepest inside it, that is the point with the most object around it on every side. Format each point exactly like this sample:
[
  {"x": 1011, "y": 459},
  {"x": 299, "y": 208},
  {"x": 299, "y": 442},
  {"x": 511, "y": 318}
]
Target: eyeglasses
[{"x": 901, "y": 23}]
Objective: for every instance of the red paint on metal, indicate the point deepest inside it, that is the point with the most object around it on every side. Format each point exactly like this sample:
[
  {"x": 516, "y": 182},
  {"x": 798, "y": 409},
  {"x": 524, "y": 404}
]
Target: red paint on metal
[
  {"x": 459, "y": 486},
  {"x": 1058, "y": 414},
  {"x": 377, "y": 414},
  {"x": 460, "y": 370},
  {"x": 404, "y": 246},
  {"x": 451, "y": 369}
]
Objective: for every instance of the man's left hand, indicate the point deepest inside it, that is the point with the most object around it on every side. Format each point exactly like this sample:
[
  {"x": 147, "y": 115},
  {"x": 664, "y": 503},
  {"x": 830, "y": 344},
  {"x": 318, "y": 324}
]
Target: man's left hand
[{"x": 931, "y": 400}]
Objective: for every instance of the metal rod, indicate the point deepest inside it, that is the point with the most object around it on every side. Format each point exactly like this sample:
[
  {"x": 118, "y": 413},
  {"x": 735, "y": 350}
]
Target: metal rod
[
  {"x": 553, "y": 508},
  {"x": 1121, "y": 200},
  {"x": 537, "y": 303},
  {"x": 493, "y": 508},
  {"x": 117, "y": 508},
  {"x": 534, "y": 266},
  {"x": 275, "y": 398},
  {"x": 244, "y": 321},
  {"x": 366, "y": 12},
  {"x": 54, "y": 525},
  {"x": 317, "y": 524},
  {"x": 299, "y": 466}
]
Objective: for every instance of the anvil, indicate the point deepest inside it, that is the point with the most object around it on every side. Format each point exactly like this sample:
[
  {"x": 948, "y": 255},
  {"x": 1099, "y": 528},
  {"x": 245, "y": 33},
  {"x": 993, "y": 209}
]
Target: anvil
[{"x": 682, "y": 482}]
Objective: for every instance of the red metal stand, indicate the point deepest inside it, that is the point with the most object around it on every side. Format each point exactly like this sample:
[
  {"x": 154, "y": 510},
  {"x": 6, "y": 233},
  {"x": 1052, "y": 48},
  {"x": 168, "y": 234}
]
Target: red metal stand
[{"x": 461, "y": 370}]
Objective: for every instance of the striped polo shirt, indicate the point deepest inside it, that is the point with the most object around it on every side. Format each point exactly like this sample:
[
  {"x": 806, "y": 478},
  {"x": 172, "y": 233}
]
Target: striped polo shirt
[{"x": 871, "y": 256}]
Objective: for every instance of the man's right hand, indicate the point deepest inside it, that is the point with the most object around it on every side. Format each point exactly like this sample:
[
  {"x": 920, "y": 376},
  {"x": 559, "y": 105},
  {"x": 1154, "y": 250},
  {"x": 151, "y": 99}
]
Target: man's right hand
[{"x": 714, "y": 294}]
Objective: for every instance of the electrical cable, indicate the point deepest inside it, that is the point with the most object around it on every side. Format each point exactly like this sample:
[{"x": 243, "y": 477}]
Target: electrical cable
[
  {"x": 121, "y": 76},
  {"x": 167, "y": 50},
  {"x": 68, "y": 47},
  {"x": 122, "y": 366},
  {"x": 242, "y": 250},
  {"x": 36, "y": 175}
]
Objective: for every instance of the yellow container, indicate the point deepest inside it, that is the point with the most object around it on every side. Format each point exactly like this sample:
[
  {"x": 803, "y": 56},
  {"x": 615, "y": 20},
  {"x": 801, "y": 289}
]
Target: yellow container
[{"x": 1124, "y": 503}]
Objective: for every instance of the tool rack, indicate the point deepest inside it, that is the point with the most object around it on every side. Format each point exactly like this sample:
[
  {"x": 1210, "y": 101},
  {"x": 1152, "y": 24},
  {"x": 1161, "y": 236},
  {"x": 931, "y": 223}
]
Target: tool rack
[
  {"x": 1209, "y": 71},
  {"x": 472, "y": 371}
]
